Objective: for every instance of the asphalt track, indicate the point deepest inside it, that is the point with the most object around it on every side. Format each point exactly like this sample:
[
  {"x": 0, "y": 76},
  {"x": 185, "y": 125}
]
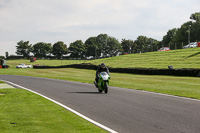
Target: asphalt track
[{"x": 123, "y": 110}]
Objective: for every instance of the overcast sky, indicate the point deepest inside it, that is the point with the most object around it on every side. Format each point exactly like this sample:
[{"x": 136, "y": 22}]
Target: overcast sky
[{"x": 70, "y": 20}]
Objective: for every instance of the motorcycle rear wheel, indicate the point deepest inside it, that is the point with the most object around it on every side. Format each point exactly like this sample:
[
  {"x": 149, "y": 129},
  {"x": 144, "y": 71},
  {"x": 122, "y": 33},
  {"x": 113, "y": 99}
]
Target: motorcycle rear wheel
[{"x": 100, "y": 91}]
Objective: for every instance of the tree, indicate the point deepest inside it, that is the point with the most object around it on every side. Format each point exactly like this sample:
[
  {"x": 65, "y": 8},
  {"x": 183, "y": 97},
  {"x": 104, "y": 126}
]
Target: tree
[
  {"x": 102, "y": 41},
  {"x": 188, "y": 32},
  {"x": 59, "y": 49},
  {"x": 77, "y": 49},
  {"x": 195, "y": 31},
  {"x": 127, "y": 45},
  {"x": 181, "y": 36},
  {"x": 92, "y": 48},
  {"x": 6, "y": 54},
  {"x": 153, "y": 44},
  {"x": 41, "y": 49},
  {"x": 145, "y": 44},
  {"x": 113, "y": 47},
  {"x": 195, "y": 27},
  {"x": 108, "y": 46},
  {"x": 23, "y": 48},
  {"x": 195, "y": 16},
  {"x": 142, "y": 43},
  {"x": 167, "y": 39}
]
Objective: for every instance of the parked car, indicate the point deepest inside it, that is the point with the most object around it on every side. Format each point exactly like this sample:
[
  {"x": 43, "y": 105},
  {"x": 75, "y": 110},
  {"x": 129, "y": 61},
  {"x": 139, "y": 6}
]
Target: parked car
[
  {"x": 164, "y": 49},
  {"x": 191, "y": 45},
  {"x": 23, "y": 66},
  {"x": 186, "y": 46},
  {"x": 194, "y": 45}
]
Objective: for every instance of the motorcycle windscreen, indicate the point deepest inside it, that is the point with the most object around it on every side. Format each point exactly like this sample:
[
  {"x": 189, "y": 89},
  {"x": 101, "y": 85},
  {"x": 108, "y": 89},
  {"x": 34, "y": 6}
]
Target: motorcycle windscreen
[{"x": 104, "y": 75}]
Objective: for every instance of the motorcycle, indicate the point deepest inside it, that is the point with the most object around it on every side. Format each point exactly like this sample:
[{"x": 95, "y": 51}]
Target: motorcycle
[{"x": 103, "y": 82}]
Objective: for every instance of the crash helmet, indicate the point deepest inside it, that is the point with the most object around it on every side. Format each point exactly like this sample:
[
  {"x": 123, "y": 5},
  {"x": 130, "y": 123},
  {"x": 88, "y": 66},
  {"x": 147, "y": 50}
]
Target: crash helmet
[{"x": 103, "y": 65}]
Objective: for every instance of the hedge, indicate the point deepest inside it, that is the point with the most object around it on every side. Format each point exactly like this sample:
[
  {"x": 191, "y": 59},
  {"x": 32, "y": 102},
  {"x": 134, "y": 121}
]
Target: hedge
[{"x": 145, "y": 71}]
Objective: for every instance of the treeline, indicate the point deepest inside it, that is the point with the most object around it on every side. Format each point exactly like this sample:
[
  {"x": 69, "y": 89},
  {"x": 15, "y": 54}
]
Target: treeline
[
  {"x": 100, "y": 46},
  {"x": 106, "y": 46},
  {"x": 41, "y": 49},
  {"x": 176, "y": 38}
]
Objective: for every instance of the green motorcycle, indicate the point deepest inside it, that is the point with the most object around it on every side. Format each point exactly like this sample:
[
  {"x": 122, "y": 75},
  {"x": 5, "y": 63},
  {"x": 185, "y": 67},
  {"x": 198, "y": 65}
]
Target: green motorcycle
[{"x": 103, "y": 82}]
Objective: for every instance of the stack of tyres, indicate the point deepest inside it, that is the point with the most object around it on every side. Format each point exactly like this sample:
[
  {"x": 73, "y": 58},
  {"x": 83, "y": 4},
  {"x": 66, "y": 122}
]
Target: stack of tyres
[{"x": 3, "y": 63}]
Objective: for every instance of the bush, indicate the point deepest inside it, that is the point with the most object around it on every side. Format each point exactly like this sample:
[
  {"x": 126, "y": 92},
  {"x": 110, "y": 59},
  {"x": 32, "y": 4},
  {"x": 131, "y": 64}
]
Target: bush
[{"x": 145, "y": 71}]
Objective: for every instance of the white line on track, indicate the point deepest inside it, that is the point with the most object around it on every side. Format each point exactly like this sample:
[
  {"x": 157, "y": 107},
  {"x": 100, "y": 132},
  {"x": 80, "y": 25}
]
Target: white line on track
[{"x": 62, "y": 105}]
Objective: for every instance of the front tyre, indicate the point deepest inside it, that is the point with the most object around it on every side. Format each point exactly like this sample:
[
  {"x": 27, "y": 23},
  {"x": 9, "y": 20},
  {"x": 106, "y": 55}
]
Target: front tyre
[{"x": 106, "y": 88}]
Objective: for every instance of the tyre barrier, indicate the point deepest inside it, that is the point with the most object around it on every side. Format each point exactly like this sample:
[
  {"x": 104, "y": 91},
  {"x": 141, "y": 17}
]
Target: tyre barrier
[{"x": 144, "y": 71}]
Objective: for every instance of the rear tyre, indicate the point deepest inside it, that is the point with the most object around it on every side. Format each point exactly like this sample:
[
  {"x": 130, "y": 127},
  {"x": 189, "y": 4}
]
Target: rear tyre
[{"x": 100, "y": 91}]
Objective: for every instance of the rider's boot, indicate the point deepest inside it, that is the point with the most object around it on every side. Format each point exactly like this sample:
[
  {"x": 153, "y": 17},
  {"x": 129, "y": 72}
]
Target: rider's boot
[{"x": 95, "y": 84}]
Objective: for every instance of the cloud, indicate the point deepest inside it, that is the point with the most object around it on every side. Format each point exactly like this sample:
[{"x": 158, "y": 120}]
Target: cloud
[{"x": 71, "y": 20}]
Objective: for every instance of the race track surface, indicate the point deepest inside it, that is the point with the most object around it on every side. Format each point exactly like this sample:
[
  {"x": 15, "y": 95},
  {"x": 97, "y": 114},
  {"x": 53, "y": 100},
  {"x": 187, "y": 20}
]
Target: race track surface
[{"x": 123, "y": 110}]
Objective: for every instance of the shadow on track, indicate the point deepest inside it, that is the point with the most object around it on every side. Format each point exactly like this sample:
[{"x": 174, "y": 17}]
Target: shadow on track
[{"x": 86, "y": 92}]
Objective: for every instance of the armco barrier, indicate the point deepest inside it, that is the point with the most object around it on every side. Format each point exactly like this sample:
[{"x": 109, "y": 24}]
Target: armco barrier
[{"x": 145, "y": 71}]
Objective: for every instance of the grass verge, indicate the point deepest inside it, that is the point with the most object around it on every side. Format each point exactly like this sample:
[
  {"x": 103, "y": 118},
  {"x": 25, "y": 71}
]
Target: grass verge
[
  {"x": 23, "y": 111},
  {"x": 181, "y": 58},
  {"x": 1, "y": 82}
]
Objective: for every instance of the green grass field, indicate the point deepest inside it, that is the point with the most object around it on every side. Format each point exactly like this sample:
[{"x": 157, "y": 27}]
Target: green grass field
[
  {"x": 182, "y": 58},
  {"x": 24, "y": 112}
]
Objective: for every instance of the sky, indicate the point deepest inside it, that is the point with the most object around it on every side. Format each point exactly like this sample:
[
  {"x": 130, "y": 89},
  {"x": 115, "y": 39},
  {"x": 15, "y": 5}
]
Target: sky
[{"x": 51, "y": 21}]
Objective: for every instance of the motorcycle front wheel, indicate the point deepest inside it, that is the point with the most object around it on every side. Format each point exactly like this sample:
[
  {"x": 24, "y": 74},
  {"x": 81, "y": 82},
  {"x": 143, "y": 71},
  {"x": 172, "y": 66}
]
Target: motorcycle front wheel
[{"x": 106, "y": 88}]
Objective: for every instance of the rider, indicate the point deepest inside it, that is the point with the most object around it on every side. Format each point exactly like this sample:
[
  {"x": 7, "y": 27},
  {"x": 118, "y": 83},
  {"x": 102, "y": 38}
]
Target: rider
[{"x": 101, "y": 68}]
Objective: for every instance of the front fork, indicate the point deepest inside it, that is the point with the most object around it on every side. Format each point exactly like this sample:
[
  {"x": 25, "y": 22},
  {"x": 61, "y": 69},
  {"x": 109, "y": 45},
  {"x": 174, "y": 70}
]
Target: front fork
[{"x": 105, "y": 82}]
